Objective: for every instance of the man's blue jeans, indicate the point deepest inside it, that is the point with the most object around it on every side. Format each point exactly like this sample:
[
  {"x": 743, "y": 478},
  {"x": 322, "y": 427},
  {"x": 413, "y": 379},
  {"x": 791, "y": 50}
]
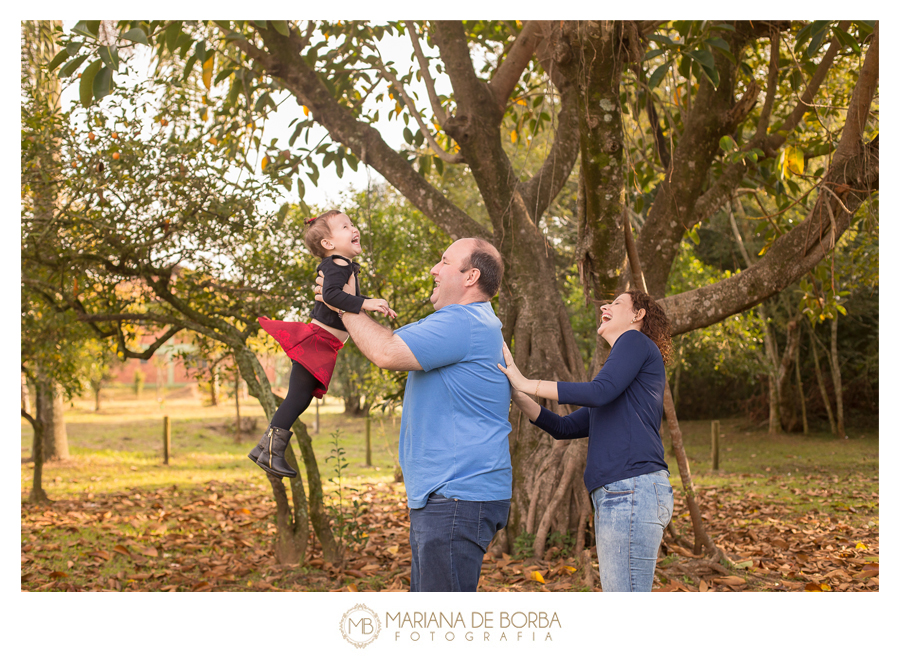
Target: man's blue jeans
[
  {"x": 629, "y": 519},
  {"x": 448, "y": 538}
]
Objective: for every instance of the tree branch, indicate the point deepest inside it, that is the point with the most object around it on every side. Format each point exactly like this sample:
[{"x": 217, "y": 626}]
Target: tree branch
[
  {"x": 789, "y": 257},
  {"x": 860, "y": 102},
  {"x": 436, "y": 106},
  {"x": 771, "y": 86},
  {"x": 546, "y": 184},
  {"x": 507, "y": 76},
  {"x": 286, "y": 64},
  {"x": 454, "y": 158}
]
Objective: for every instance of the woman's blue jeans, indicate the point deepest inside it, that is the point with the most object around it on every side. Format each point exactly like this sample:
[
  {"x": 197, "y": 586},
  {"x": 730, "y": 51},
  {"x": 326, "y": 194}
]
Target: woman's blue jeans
[
  {"x": 448, "y": 538},
  {"x": 629, "y": 519}
]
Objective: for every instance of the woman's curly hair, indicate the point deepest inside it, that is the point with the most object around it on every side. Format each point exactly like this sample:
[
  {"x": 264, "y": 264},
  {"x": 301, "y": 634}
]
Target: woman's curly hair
[{"x": 655, "y": 325}]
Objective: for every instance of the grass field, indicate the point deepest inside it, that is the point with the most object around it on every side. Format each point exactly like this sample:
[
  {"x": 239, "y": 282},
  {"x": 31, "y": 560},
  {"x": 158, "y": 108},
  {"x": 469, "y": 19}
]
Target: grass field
[{"x": 123, "y": 520}]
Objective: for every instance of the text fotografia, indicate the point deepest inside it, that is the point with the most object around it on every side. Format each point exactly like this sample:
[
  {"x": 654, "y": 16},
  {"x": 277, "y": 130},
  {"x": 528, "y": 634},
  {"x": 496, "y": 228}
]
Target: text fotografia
[{"x": 477, "y": 627}]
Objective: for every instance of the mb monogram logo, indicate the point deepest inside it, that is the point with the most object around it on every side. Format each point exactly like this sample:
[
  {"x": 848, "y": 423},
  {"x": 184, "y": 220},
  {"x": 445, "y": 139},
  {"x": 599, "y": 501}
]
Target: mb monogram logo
[{"x": 360, "y": 626}]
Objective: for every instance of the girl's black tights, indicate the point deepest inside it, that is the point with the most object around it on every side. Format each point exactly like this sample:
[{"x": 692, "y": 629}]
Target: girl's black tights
[{"x": 299, "y": 395}]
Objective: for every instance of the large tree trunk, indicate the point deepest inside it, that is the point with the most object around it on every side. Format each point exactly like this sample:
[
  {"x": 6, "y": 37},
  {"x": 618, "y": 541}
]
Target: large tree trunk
[{"x": 50, "y": 408}]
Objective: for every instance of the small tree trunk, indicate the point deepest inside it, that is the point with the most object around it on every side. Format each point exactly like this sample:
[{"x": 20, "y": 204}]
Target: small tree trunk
[
  {"x": 214, "y": 385},
  {"x": 237, "y": 406},
  {"x": 836, "y": 376},
  {"x": 800, "y": 393},
  {"x": 787, "y": 412},
  {"x": 821, "y": 380},
  {"x": 55, "y": 442},
  {"x": 95, "y": 387},
  {"x": 701, "y": 538},
  {"x": 771, "y": 371},
  {"x": 26, "y": 400},
  {"x": 38, "y": 495}
]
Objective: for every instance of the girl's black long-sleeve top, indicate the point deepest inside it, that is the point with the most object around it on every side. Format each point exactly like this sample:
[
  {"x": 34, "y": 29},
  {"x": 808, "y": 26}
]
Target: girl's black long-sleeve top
[{"x": 336, "y": 277}]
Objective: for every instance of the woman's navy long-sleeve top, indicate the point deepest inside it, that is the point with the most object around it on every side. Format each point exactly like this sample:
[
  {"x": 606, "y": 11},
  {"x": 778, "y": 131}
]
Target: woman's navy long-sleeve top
[
  {"x": 336, "y": 276},
  {"x": 621, "y": 411}
]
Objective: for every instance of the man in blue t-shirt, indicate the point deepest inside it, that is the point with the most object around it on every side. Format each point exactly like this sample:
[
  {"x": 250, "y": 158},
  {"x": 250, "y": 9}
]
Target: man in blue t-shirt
[{"x": 454, "y": 431}]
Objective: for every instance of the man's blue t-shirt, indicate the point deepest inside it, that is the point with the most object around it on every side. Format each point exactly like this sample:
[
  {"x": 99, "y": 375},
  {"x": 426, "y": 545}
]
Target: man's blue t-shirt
[{"x": 454, "y": 431}]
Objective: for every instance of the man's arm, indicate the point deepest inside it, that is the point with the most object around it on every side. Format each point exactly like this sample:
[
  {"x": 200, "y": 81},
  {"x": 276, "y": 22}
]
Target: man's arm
[{"x": 379, "y": 344}]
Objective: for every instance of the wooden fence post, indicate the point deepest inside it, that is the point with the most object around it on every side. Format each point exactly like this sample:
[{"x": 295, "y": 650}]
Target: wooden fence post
[
  {"x": 715, "y": 445},
  {"x": 368, "y": 439},
  {"x": 167, "y": 439}
]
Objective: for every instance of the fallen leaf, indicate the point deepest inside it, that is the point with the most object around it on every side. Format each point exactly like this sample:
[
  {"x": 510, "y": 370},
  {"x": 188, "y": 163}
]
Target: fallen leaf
[
  {"x": 352, "y": 587},
  {"x": 56, "y": 575},
  {"x": 536, "y": 575},
  {"x": 730, "y": 581},
  {"x": 118, "y": 548}
]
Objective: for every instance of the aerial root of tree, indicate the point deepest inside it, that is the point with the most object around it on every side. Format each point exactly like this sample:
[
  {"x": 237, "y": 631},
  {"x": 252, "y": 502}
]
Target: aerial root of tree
[{"x": 573, "y": 465}]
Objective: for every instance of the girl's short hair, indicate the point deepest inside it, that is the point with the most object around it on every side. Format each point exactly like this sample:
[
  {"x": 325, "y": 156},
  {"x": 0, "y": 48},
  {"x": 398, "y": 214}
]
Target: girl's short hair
[{"x": 317, "y": 229}]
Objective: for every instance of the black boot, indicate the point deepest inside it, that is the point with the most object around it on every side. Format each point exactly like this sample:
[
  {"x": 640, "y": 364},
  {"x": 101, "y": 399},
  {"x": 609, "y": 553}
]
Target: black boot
[
  {"x": 271, "y": 457},
  {"x": 257, "y": 450}
]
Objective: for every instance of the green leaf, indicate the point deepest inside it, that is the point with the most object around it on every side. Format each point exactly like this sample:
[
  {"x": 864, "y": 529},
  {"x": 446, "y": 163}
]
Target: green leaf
[
  {"x": 86, "y": 87},
  {"x": 72, "y": 66},
  {"x": 262, "y": 26},
  {"x": 650, "y": 54},
  {"x": 661, "y": 38},
  {"x": 73, "y": 47},
  {"x": 281, "y": 27},
  {"x": 658, "y": 74},
  {"x": 726, "y": 143},
  {"x": 110, "y": 56},
  {"x": 816, "y": 42},
  {"x": 639, "y": 204},
  {"x": 723, "y": 46},
  {"x": 846, "y": 39},
  {"x": 103, "y": 82},
  {"x": 81, "y": 27},
  {"x": 136, "y": 35},
  {"x": 93, "y": 27},
  {"x": 61, "y": 57},
  {"x": 705, "y": 59},
  {"x": 407, "y": 135},
  {"x": 692, "y": 234}
]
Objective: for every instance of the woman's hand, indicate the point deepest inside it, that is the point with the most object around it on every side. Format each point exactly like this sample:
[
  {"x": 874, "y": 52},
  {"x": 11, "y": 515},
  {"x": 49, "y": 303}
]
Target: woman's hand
[{"x": 516, "y": 379}]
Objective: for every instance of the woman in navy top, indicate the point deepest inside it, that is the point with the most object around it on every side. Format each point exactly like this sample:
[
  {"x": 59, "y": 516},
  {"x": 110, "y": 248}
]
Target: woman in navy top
[{"x": 621, "y": 412}]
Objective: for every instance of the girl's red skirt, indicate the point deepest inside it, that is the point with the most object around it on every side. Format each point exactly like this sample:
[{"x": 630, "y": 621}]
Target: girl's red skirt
[{"x": 310, "y": 345}]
